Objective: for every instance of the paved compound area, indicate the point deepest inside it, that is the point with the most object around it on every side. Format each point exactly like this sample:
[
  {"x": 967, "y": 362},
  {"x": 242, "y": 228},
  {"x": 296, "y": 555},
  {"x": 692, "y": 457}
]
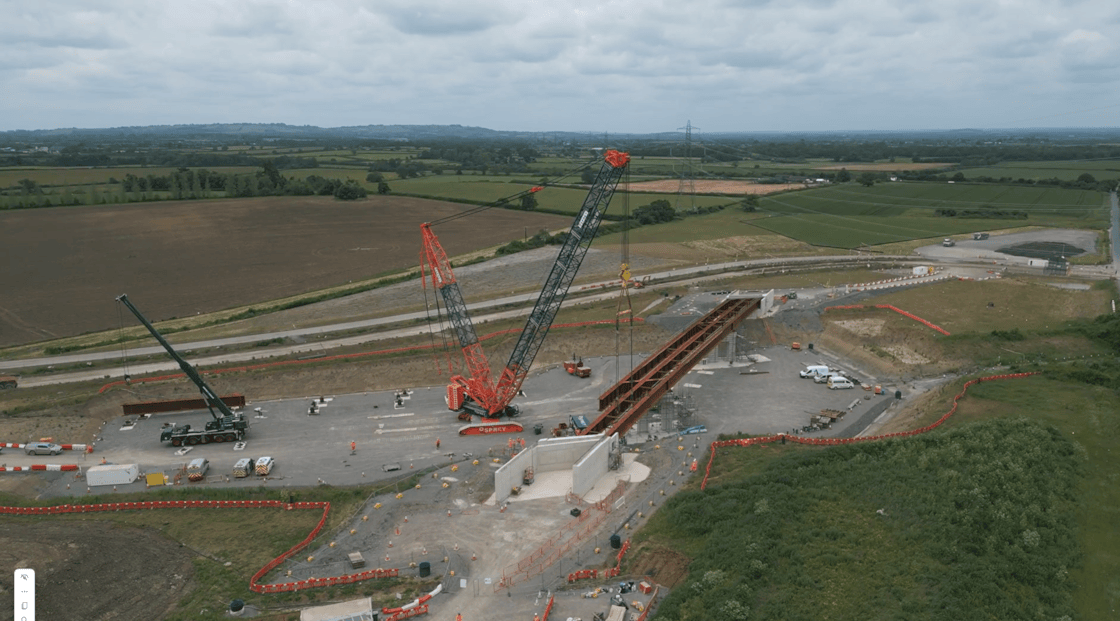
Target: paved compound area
[
  {"x": 967, "y": 250},
  {"x": 310, "y": 449}
]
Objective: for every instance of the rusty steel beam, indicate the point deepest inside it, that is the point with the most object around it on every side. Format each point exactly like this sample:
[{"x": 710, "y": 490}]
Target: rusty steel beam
[{"x": 628, "y": 400}]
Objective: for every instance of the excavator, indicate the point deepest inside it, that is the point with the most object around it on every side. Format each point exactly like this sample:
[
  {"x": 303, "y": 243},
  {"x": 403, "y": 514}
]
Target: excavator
[
  {"x": 478, "y": 394},
  {"x": 227, "y": 426}
]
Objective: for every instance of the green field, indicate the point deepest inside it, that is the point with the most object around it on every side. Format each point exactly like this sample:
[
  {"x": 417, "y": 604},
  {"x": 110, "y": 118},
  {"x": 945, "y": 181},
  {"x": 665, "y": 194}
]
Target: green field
[
  {"x": 87, "y": 176},
  {"x": 849, "y": 216},
  {"x": 487, "y": 189},
  {"x": 1066, "y": 171}
]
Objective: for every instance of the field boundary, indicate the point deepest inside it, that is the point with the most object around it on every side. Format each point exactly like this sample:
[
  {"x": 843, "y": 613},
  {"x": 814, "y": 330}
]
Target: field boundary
[{"x": 781, "y": 437}]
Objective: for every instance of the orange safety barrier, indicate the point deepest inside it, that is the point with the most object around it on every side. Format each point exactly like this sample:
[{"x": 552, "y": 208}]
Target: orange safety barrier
[
  {"x": 895, "y": 309},
  {"x": 380, "y": 352},
  {"x": 832, "y": 441}
]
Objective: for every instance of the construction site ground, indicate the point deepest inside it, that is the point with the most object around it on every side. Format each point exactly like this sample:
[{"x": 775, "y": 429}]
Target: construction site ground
[
  {"x": 757, "y": 396},
  {"x": 315, "y": 449}
]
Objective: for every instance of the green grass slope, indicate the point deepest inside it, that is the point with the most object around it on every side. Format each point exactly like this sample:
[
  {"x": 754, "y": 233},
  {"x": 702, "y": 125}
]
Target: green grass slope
[{"x": 975, "y": 523}]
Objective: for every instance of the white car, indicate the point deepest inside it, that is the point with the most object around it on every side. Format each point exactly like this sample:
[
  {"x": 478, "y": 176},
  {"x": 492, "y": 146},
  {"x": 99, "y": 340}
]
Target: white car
[{"x": 42, "y": 448}]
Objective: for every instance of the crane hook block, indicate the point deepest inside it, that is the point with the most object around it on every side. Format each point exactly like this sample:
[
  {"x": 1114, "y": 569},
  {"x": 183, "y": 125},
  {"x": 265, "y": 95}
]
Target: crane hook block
[{"x": 618, "y": 159}]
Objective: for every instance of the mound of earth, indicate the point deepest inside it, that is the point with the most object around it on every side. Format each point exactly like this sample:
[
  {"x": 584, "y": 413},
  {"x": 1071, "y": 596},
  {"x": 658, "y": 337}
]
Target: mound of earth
[{"x": 1043, "y": 250}]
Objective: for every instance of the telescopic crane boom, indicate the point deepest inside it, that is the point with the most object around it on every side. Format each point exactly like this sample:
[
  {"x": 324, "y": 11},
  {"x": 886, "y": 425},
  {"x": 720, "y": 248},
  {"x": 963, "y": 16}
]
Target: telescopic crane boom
[{"x": 229, "y": 426}]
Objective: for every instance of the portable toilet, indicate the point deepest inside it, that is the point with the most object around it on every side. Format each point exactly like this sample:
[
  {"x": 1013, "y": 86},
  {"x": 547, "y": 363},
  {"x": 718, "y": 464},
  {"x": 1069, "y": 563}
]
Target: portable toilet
[{"x": 264, "y": 465}]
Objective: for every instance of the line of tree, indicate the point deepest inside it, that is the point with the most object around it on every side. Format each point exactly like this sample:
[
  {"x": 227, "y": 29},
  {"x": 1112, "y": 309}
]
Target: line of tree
[
  {"x": 995, "y": 214},
  {"x": 195, "y": 184}
]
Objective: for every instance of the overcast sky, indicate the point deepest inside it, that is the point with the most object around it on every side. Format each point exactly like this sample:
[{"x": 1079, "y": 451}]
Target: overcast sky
[{"x": 600, "y": 66}]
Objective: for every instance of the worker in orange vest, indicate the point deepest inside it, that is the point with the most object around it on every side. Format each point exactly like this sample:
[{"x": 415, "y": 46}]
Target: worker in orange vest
[
  {"x": 459, "y": 617},
  {"x": 437, "y": 448}
]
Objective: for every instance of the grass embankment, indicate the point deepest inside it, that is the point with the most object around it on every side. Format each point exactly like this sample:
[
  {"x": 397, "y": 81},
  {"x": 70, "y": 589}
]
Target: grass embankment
[{"x": 972, "y": 523}]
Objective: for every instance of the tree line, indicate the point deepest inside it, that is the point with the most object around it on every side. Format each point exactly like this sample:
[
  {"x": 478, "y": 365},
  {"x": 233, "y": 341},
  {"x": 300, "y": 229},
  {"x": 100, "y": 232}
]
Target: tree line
[{"x": 184, "y": 184}]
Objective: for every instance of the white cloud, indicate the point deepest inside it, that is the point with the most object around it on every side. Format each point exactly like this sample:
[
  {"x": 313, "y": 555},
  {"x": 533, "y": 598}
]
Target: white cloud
[{"x": 606, "y": 65}]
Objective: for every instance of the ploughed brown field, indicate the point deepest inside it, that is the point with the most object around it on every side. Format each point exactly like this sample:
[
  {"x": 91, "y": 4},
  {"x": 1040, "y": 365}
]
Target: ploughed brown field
[{"x": 63, "y": 267}]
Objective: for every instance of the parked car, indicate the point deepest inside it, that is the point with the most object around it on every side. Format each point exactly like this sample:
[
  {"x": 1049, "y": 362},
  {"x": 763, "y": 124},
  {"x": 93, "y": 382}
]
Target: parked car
[
  {"x": 837, "y": 383},
  {"x": 42, "y": 448}
]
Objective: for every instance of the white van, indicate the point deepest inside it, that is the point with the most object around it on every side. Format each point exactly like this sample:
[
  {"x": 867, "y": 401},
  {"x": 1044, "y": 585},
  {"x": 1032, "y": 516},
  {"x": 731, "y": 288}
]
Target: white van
[
  {"x": 824, "y": 377},
  {"x": 196, "y": 470},
  {"x": 264, "y": 465},
  {"x": 243, "y": 467},
  {"x": 837, "y": 383},
  {"x": 814, "y": 370}
]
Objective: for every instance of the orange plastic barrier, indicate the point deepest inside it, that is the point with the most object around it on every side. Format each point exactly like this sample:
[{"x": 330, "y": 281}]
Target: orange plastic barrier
[
  {"x": 895, "y": 309},
  {"x": 832, "y": 441}
]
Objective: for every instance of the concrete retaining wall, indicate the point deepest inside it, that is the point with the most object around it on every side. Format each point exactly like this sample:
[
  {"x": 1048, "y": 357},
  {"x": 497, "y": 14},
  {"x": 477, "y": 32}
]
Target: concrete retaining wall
[
  {"x": 560, "y": 453},
  {"x": 509, "y": 475},
  {"x": 547, "y": 455},
  {"x": 592, "y": 466}
]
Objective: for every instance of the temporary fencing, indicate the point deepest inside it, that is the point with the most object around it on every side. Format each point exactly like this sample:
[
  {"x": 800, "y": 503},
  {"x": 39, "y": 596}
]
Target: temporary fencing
[
  {"x": 893, "y": 308},
  {"x": 897, "y": 282},
  {"x": 417, "y": 606},
  {"x": 40, "y": 467},
  {"x": 379, "y": 352},
  {"x": 832, "y": 441},
  {"x": 228, "y": 504},
  {"x": 562, "y": 542}
]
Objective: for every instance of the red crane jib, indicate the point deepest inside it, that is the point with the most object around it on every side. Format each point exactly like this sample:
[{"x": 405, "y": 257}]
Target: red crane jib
[{"x": 480, "y": 386}]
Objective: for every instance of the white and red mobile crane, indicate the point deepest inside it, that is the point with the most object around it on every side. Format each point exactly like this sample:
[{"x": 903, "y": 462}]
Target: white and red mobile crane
[{"x": 478, "y": 394}]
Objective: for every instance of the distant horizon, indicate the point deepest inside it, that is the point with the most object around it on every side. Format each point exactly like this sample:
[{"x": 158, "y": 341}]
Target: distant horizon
[
  {"x": 633, "y": 67},
  {"x": 695, "y": 131}
]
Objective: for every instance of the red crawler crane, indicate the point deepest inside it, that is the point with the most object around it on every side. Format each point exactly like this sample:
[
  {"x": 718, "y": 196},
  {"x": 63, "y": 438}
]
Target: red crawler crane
[{"x": 479, "y": 394}]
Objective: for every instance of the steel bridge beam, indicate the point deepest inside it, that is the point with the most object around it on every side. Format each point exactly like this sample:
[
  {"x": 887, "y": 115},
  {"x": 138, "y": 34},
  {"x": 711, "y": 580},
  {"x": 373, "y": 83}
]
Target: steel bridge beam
[{"x": 627, "y": 401}]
